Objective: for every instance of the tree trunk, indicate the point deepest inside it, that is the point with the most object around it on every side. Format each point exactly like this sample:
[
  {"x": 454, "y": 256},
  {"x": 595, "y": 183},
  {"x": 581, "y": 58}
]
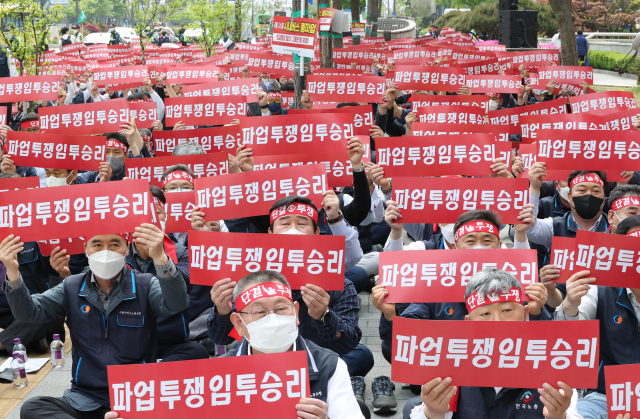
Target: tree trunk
[
  {"x": 562, "y": 11},
  {"x": 237, "y": 29},
  {"x": 326, "y": 51},
  {"x": 375, "y": 15},
  {"x": 337, "y": 42},
  {"x": 299, "y": 81},
  {"x": 370, "y": 7},
  {"x": 355, "y": 17}
]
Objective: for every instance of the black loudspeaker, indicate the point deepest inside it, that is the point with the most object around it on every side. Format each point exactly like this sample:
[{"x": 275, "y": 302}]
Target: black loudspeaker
[
  {"x": 518, "y": 28},
  {"x": 508, "y": 5}
]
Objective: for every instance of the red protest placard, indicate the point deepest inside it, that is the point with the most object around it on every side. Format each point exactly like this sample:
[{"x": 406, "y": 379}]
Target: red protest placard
[
  {"x": 452, "y": 114},
  {"x": 202, "y": 165},
  {"x": 295, "y": 35},
  {"x": 242, "y": 87},
  {"x": 511, "y": 117},
  {"x": 559, "y": 73},
  {"x": 96, "y": 118},
  {"x": 417, "y": 56},
  {"x": 530, "y": 58},
  {"x": 3, "y": 115},
  {"x": 479, "y": 354},
  {"x": 253, "y": 193},
  {"x": 602, "y": 102},
  {"x": 189, "y": 74},
  {"x": 56, "y": 151},
  {"x": 429, "y": 130},
  {"x": 494, "y": 84},
  {"x": 623, "y": 389},
  {"x": 612, "y": 259},
  {"x": 362, "y": 116},
  {"x": 338, "y": 165},
  {"x": 27, "y": 88},
  {"x": 267, "y": 62},
  {"x": 479, "y": 66},
  {"x": 563, "y": 251},
  {"x": 358, "y": 28},
  {"x": 267, "y": 385},
  {"x": 531, "y": 124},
  {"x": 291, "y": 134},
  {"x": 336, "y": 72},
  {"x": 211, "y": 110},
  {"x": 73, "y": 246},
  {"x": 213, "y": 140},
  {"x": 443, "y": 200},
  {"x": 326, "y": 15},
  {"x": 426, "y": 101},
  {"x": 74, "y": 211},
  {"x": 414, "y": 77},
  {"x": 14, "y": 184},
  {"x": 562, "y": 149},
  {"x": 470, "y": 155},
  {"x": 128, "y": 74},
  {"x": 361, "y": 55},
  {"x": 414, "y": 276},
  {"x": 178, "y": 209},
  {"x": 317, "y": 260},
  {"x": 621, "y": 120},
  {"x": 357, "y": 89}
]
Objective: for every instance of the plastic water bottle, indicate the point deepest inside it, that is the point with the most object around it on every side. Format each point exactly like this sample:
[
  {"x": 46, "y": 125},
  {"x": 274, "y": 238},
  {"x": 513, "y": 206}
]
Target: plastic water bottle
[
  {"x": 19, "y": 371},
  {"x": 57, "y": 352},
  {"x": 18, "y": 348}
]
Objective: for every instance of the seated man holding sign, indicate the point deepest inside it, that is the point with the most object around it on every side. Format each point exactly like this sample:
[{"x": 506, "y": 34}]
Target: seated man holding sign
[
  {"x": 111, "y": 312},
  {"x": 618, "y": 310},
  {"x": 501, "y": 296}
]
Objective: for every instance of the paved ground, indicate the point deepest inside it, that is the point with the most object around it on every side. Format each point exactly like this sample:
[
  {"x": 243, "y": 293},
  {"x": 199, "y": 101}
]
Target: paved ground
[
  {"x": 606, "y": 79},
  {"x": 56, "y": 381}
]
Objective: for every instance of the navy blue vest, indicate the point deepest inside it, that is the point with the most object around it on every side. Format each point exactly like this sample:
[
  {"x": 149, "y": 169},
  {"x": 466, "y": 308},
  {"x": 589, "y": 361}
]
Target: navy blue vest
[
  {"x": 551, "y": 206},
  {"x": 509, "y": 403},
  {"x": 566, "y": 226},
  {"x": 125, "y": 334},
  {"x": 322, "y": 364},
  {"x": 174, "y": 329},
  {"x": 619, "y": 331}
]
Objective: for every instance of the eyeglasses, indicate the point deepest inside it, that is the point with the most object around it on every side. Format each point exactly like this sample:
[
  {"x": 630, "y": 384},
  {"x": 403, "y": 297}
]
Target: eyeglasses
[
  {"x": 178, "y": 188},
  {"x": 282, "y": 310},
  {"x": 274, "y": 100}
]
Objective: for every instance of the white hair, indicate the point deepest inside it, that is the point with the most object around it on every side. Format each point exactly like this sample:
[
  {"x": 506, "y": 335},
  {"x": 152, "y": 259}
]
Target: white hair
[
  {"x": 491, "y": 281},
  {"x": 188, "y": 149}
]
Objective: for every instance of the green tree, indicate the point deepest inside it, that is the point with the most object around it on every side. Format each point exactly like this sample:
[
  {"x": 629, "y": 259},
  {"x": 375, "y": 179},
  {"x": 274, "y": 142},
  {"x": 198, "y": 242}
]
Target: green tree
[
  {"x": 94, "y": 9},
  {"x": 28, "y": 38},
  {"x": 148, "y": 12},
  {"x": 211, "y": 20}
]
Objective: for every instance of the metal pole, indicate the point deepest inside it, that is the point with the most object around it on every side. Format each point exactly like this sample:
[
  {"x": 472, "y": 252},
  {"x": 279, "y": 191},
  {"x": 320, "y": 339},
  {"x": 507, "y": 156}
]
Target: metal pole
[{"x": 302, "y": 5}]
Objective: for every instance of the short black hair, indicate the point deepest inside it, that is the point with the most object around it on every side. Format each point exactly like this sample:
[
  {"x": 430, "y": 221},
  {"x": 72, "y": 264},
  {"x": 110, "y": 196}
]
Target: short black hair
[
  {"x": 345, "y": 104},
  {"x": 29, "y": 116},
  {"x": 293, "y": 199},
  {"x": 157, "y": 193},
  {"x": 64, "y": 30},
  {"x": 579, "y": 32},
  {"x": 627, "y": 224},
  {"x": 118, "y": 137},
  {"x": 135, "y": 96},
  {"x": 602, "y": 175},
  {"x": 287, "y": 87},
  {"x": 621, "y": 191},
  {"x": 176, "y": 168},
  {"x": 478, "y": 215}
]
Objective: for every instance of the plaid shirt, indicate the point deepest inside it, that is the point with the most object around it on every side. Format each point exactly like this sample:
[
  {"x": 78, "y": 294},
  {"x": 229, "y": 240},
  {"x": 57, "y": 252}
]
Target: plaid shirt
[{"x": 344, "y": 319}]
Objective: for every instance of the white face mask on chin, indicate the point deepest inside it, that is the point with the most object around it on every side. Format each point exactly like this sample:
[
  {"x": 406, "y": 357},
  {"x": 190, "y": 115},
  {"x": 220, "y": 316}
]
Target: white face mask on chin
[
  {"x": 273, "y": 333},
  {"x": 493, "y": 105},
  {"x": 106, "y": 264}
]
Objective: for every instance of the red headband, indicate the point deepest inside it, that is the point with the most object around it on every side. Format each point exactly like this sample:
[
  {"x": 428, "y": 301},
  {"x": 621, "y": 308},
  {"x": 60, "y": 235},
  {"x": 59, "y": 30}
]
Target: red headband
[
  {"x": 140, "y": 101},
  {"x": 476, "y": 227},
  {"x": 273, "y": 94},
  {"x": 264, "y": 290},
  {"x": 627, "y": 201},
  {"x": 295, "y": 209},
  {"x": 118, "y": 144},
  {"x": 177, "y": 175},
  {"x": 589, "y": 177},
  {"x": 30, "y": 124},
  {"x": 634, "y": 233},
  {"x": 475, "y": 300},
  {"x": 157, "y": 201}
]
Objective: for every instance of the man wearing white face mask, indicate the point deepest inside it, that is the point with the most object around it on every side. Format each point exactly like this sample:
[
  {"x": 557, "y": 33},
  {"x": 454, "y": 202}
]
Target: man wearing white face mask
[
  {"x": 179, "y": 178},
  {"x": 558, "y": 204},
  {"x": 110, "y": 310},
  {"x": 60, "y": 177},
  {"x": 270, "y": 324}
]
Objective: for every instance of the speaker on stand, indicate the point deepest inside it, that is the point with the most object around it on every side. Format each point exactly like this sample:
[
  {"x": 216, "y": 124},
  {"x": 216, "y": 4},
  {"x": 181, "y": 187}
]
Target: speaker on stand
[{"x": 518, "y": 28}]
